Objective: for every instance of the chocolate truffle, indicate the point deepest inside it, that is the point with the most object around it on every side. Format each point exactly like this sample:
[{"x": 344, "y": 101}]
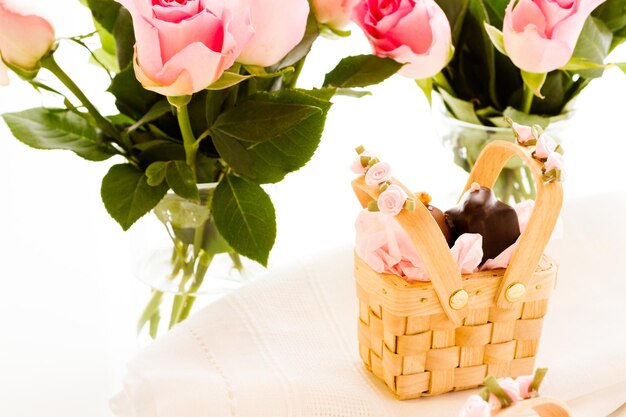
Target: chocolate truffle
[
  {"x": 480, "y": 212},
  {"x": 437, "y": 214}
]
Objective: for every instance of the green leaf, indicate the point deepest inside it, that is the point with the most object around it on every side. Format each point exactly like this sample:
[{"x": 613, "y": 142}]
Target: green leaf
[
  {"x": 290, "y": 151},
  {"x": 426, "y": 85},
  {"x": 613, "y": 14},
  {"x": 578, "y": 64},
  {"x": 258, "y": 121},
  {"x": 361, "y": 71},
  {"x": 622, "y": 66},
  {"x": 124, "y": 38},
  {"x": 497, "y": 38},
  {"x": 156, "y": 173},
  {"x": 234, "y": 154},
  {"x": 58, "y": 129},
  {"x": 127, "y": 195},
  {"x": 131, "y": 98},
  {"x": 593, "y": 46},
  {"x": 229, "y": 79},
  {"x": 159, "y": 109},
  {"x": 526, "y": 119},
  {"x": 455, "y": 11},
  {"x": 180, "y": 179},
  {"x": 534, "y": 81},
  {"x": 460, "y": 109},
  {"x": 245, "y": 217}
]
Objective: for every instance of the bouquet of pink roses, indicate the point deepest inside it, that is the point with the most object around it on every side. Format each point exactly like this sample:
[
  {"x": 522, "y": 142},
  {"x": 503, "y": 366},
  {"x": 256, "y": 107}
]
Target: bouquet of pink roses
[{"x": 206, "y": 94}]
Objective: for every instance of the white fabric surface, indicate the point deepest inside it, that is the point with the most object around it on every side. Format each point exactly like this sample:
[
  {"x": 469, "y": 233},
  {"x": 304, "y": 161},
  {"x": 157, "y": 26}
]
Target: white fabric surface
[{"x": 286, "y": 345}]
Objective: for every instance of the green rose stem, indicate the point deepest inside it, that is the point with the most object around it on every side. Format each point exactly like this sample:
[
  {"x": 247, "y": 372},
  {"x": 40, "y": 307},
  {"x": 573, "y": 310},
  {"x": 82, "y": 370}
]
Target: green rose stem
[
  {"x": 189, "y": 140},
  {"x": 51, "y": 65},
  {"x": 527, "y": 100}
]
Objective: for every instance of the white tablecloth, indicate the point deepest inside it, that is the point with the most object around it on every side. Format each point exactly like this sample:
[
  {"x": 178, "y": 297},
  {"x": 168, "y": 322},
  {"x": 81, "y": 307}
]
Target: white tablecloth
[{"x": 286, "y": 345}]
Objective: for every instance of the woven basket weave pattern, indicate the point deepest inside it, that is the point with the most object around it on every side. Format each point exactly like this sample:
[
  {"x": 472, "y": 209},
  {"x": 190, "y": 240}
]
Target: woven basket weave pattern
[{"x": 425, "y": 354}]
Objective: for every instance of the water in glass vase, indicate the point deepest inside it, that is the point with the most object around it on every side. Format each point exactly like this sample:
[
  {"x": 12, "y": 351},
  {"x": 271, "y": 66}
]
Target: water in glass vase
[{"x": 189, "y": 264}]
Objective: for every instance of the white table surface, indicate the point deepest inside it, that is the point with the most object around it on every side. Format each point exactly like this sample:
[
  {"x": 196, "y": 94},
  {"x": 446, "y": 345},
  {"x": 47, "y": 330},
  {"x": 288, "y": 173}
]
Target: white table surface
[{"x": 68, "y": 300}]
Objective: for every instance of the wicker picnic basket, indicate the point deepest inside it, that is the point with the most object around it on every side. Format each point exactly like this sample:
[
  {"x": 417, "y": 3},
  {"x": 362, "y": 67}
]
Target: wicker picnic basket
[{"x": 428, "y": 338}]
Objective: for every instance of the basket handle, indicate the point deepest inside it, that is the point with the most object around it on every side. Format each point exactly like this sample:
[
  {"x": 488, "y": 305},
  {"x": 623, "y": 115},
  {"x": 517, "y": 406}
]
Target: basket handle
[
  {"x": 431, "y": 246},
  {"x": 535, "y": 238},
  {"x": 543, "y": 406}
]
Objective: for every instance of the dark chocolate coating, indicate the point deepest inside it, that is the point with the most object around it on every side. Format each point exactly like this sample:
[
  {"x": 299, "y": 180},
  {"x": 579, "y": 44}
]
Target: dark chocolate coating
[
  {"x": 440, "y": 218},
  {"x": 480, "y": 212}
]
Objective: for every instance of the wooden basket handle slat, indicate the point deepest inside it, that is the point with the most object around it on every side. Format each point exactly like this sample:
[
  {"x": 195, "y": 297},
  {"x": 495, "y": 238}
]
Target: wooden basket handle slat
[
  {"x": 534, "y": 240},
  {"x": 543, "y": 406},
  {"x": 430, "y": 244}
]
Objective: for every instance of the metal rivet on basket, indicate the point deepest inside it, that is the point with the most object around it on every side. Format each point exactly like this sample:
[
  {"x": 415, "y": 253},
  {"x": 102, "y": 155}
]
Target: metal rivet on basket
[
  {"x": 459, "y": 299},
  {"x": 515, "y": 292}
]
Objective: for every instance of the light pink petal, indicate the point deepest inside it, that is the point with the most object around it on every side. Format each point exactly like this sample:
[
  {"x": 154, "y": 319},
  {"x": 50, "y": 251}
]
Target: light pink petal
[
  {"x": 279, "y": 27},
  {"x": 334, "y": 13},
  {"x": 175, "y": 12},
  {"x": 468, "y": 252},
  {"x": 527, "y": 13},
  {"x": 4, "y": 76},
  {"x": 523, "y": 133},
  {"x": 415, "y": 30},
  {"x": 545, "y": 146},
  {"x": 555, "y": 11},
  {"x": 568, "y": 30},
  {"x": 532, "y": 52},
  {"x": 524, "y": 382},
  {"x": 204, "y": 27},
  {"x": 24, "y": 39}
]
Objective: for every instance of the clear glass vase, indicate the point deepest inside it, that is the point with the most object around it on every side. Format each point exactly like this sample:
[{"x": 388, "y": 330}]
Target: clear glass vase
[
  {"x": 185, "y": 263},
  {"x": 467, "y": 140}
]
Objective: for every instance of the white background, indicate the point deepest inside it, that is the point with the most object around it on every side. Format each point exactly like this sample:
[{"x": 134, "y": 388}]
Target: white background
[{"x": 68, "y": 299}]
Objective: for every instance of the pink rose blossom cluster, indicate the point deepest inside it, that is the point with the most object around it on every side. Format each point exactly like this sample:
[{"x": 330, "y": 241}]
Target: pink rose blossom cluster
[
  {"x": 516, "y": 389},
  {"x": 546, "y": 150},
  {"x": 183, "y": 46}
]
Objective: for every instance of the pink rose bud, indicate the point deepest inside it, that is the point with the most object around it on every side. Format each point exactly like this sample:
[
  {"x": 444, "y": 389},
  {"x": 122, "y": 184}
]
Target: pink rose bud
[
  {"x": 334, "y": 13},
  {"x": 357, "y": 166},
  {"x": 415, "y": 33},
  {"x": 523, "y": 133},
  {"x": 475, "y": 406},
  {"x": 378, "y": 173},
  {"x": 540, "y": 35},
  {"x": 512, "y": 389},
  {"x": 24, "y": 39},
  {"x": 184, "y": 46},
  {"x": 391, "y": 201},
  {"x": 524, "y": 385},
  {"x": 545, "y": 146},
  {"x": 279, "y": 26},
  {"x": 556, "y": 162}
]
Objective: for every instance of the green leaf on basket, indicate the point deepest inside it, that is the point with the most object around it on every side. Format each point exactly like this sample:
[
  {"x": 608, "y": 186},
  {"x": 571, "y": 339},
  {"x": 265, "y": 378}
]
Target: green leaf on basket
[
  {"x": 58, "y": 129},
  {"x": 245, "y": 217},
  {"x": 496, "y": 37},
  {"x": 258, "y": 121},
  {"x": 180, "y": 179},
  {"x": 127, "y": 196},
  {"x": 534, "y": 81},
  {"x": 361, "y": 71}
]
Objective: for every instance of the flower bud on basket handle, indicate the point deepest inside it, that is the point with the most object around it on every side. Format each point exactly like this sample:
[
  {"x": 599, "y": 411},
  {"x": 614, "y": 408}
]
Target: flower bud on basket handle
[
  {"x": 543, "y": 406},
  {"x": 548, "y": 204},
  {"x": 430, "y": 244}
]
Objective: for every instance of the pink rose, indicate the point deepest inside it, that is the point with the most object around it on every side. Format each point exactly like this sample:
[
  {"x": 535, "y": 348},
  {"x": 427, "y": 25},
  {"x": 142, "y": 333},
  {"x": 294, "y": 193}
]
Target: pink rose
[
  {"x": 279, "y": 26},
  {"x": 24, "y": 39},
  {"x": 556, "y": 162},
  {"x": 524, "y": 385},
  {"x": 378, "y": 173},
  {"x": 413, "y": 32},
  {"x": 334, "y": 13},
  {"x": 475, "y": 406},
  {"x": 540, "y": 35},
  {"x": 357, "y": 167},
  {"x": 545, "y": 146},
  {"x": 391, "y": 201},
  {"x": 523, "y": 133},
  {"x": 184, "y": 46},
  {"x": 512, "y": 389}
]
